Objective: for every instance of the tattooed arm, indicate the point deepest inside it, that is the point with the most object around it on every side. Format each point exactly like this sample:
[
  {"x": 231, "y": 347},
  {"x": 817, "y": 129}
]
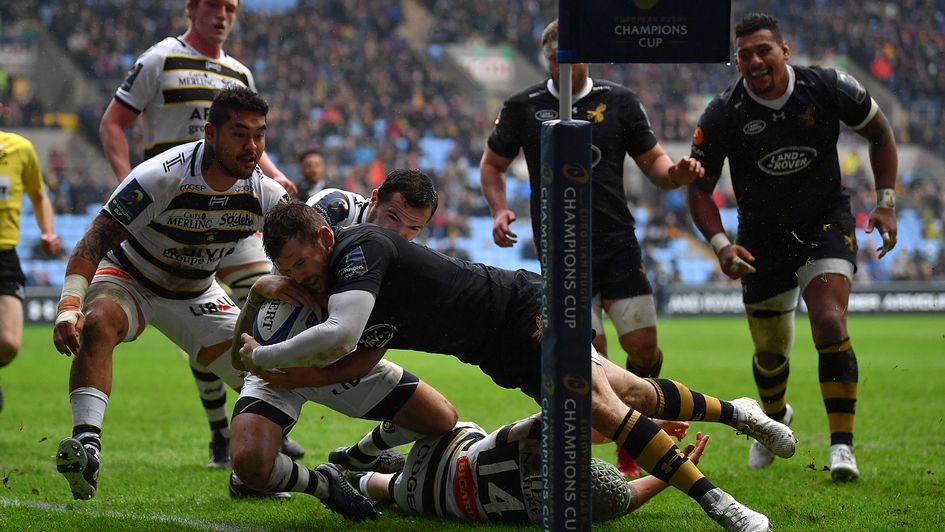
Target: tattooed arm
[{"x": 102, "y": 235}]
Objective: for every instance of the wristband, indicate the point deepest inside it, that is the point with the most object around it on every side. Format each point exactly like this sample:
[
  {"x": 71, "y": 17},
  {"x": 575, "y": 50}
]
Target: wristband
[
  {"x": 74, "y": 288},
  {"x": 719, "y": 241},
  {"x": 886, "y": 198}
]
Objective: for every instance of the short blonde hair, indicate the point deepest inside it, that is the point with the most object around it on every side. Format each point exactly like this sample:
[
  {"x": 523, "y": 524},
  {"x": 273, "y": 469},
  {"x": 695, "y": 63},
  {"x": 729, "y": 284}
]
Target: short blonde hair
[{"x": 549, "y": 37}]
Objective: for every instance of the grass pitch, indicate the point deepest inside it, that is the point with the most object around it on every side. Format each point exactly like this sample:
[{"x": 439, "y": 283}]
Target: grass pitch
[{"x": 154, "y": 474}]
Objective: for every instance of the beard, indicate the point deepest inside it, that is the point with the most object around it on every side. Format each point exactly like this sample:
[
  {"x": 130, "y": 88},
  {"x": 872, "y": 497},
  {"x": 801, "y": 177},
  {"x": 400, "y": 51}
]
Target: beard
[{"x": 210, "y": 156}]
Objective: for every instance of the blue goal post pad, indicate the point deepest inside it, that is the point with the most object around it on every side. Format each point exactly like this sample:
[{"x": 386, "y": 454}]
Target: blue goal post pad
[{"x": 644, "y": 31}]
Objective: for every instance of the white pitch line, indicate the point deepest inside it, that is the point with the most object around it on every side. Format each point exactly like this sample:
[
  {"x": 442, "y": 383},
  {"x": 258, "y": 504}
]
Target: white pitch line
[{"x": 154, "y": 518}]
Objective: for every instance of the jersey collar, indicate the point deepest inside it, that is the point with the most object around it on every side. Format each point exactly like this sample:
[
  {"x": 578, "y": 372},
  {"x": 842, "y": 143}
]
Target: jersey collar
[
  {"x": 778, "y": 102},
  {"x": 576, "y": 97}
]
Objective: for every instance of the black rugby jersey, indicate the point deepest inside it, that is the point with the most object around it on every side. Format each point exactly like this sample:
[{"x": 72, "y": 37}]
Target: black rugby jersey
[
  {"x": 427, "y": 301},
  {"x": 783, "y": 161},
  {"x": 620, "y": 126}
]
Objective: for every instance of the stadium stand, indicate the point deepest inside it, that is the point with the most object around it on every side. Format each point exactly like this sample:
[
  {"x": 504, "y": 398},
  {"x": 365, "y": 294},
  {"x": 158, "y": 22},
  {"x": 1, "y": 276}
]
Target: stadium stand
[{"x": 343, "y": 77}]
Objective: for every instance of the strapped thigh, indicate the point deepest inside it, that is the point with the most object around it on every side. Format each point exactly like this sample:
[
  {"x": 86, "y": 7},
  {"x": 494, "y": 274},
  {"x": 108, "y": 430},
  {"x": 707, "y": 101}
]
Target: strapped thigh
[{"x": 772, "y": 323}]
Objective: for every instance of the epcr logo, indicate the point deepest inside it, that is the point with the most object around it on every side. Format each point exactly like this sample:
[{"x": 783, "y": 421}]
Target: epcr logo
[
  {"x": 576, "y": 384},
  {"x": 576, "y": 173},
  {"x": 547, "y": 174}
]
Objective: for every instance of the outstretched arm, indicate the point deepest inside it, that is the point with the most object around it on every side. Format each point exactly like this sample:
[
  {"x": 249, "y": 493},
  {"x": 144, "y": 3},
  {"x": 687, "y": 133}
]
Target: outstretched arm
[
  {"x": 354, "y": 366},
  {"x": 662, "y": 172},
  {"x": 323, "y": 344}
]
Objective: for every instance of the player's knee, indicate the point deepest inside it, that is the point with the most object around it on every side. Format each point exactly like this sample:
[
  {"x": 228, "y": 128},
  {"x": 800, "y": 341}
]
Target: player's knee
[
  {"x": 446, "y": 418},
  {"x": 772, "y": 325},
  {"x": 104, "y": 325},
  {"x": 828, "y": 325},
  {"x": 249, "y": 467},
  {"x": 10, "y": 345}
]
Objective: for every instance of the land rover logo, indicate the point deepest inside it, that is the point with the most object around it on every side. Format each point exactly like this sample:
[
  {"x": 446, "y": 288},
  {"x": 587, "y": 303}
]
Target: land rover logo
[
  {"x": 789, "y": 160},
  {"x": 754, "y": 127},
  {"x": 546, "y": 114}
]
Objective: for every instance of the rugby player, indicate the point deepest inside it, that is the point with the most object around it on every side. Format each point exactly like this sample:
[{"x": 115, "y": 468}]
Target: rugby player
[
  {"x": 620, "y": 127},
  {"x": 170, "y": 87},
  {"x": 384, "y": 292},
  {"x": 496, "y": 477},
  {"x": 144, "y": 261},
  {"x": 778, "y": 126},
  {"x": 404, "y": 203}
]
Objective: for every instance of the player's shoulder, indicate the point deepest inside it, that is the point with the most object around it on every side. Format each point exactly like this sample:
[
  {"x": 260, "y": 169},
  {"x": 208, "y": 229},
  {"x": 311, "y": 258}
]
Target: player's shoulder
[
  {"x": 163, "y": 48},
  {"x": 170, "y": 166},
  {"x": 338, "y": 207},
  {"x": 608, "y": 90},
  {"x": 815, "y": 73},
  {"x": 530, "y": 94},
  {"x": 728, "y": 100},
  {"x": 10, "y": 142}
]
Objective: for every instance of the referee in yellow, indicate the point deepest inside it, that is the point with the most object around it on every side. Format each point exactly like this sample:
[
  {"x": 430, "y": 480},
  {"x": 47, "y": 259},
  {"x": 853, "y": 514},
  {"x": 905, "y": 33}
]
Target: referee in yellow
[{"x": 19, "y": 174}]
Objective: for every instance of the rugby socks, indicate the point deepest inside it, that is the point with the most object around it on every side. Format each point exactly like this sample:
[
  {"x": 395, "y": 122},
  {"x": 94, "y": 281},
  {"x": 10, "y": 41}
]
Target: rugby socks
[
  {"x": 839, "y": 374},
  {"x": 646, "y": 372},
  {"x": 88, "y": 412},
  {"x": 289, "y": 476},
  {"x": 772, "y": 386},
  {"x": 384, "y": 436},
  {"x": 677, "y": 402},
  {"x": 213, "y": 396},
  {"x": 655, "y": 451}
]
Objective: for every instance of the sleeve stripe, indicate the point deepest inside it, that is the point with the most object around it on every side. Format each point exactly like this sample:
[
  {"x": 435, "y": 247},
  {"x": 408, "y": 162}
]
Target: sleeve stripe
[{"x": 874, "y": 108}]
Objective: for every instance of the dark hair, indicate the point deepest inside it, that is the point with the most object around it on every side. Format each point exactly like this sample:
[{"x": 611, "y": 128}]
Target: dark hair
[
  {"x": 415, "y": 186},
  {"x": 287, "y": 221},
  {"x": 306, "y": 153},
  {"x": 753, "y": 22},
  {"x": 235, "y": 99}
]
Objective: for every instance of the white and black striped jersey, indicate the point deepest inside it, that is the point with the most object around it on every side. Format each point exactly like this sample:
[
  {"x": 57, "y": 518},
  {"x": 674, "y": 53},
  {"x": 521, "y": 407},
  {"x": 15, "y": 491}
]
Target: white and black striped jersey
[
  {"x": 340, "y": 208},
  {"x": 471, "y": 475},
  {"x": 179, "y": 227},
  {"x": 173, "y": 85}
]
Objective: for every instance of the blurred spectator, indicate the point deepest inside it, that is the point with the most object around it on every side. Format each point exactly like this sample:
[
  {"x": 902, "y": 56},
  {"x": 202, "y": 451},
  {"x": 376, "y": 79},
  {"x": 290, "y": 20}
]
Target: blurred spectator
[{"x": 312, "y": 167}]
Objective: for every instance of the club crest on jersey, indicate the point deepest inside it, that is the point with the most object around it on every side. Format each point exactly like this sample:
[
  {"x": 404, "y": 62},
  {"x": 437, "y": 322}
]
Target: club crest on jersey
[
  {"x": 754, "y": 127},
  {"x": 129, "y": 202},
  {"x": 131, "y": 77},
  {"x": 788, "y": 160},
  {"x": 808, "y": 115},
  {"x": 354, "y": 264},
  {"x": 597, "y": 115},
  {"x": 848, "y": 85},
  {"x": 377, "y": 335},
  {"x": 333, "y": 207},
  {"x": 545, "y": 115}
]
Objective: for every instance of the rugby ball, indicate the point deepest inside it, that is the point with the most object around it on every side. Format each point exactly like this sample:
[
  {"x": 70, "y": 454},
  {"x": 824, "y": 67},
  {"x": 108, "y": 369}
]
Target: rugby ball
[
  {"x": 610, "y": 493},
  {"x": 278, "y": 321}
]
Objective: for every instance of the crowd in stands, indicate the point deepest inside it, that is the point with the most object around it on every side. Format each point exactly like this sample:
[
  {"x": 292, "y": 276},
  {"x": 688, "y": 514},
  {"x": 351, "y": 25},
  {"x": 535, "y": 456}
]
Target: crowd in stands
[{"x": 341, "y": 78}]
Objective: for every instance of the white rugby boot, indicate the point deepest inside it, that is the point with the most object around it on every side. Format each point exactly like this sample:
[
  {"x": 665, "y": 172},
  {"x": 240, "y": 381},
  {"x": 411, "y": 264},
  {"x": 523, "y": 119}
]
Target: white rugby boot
[
  {"x": 731, "y": 514},
  {"x": 751, "y": 420},
  {"x": 843, "y": 463},
  {"x": 758, "y": 455}
]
